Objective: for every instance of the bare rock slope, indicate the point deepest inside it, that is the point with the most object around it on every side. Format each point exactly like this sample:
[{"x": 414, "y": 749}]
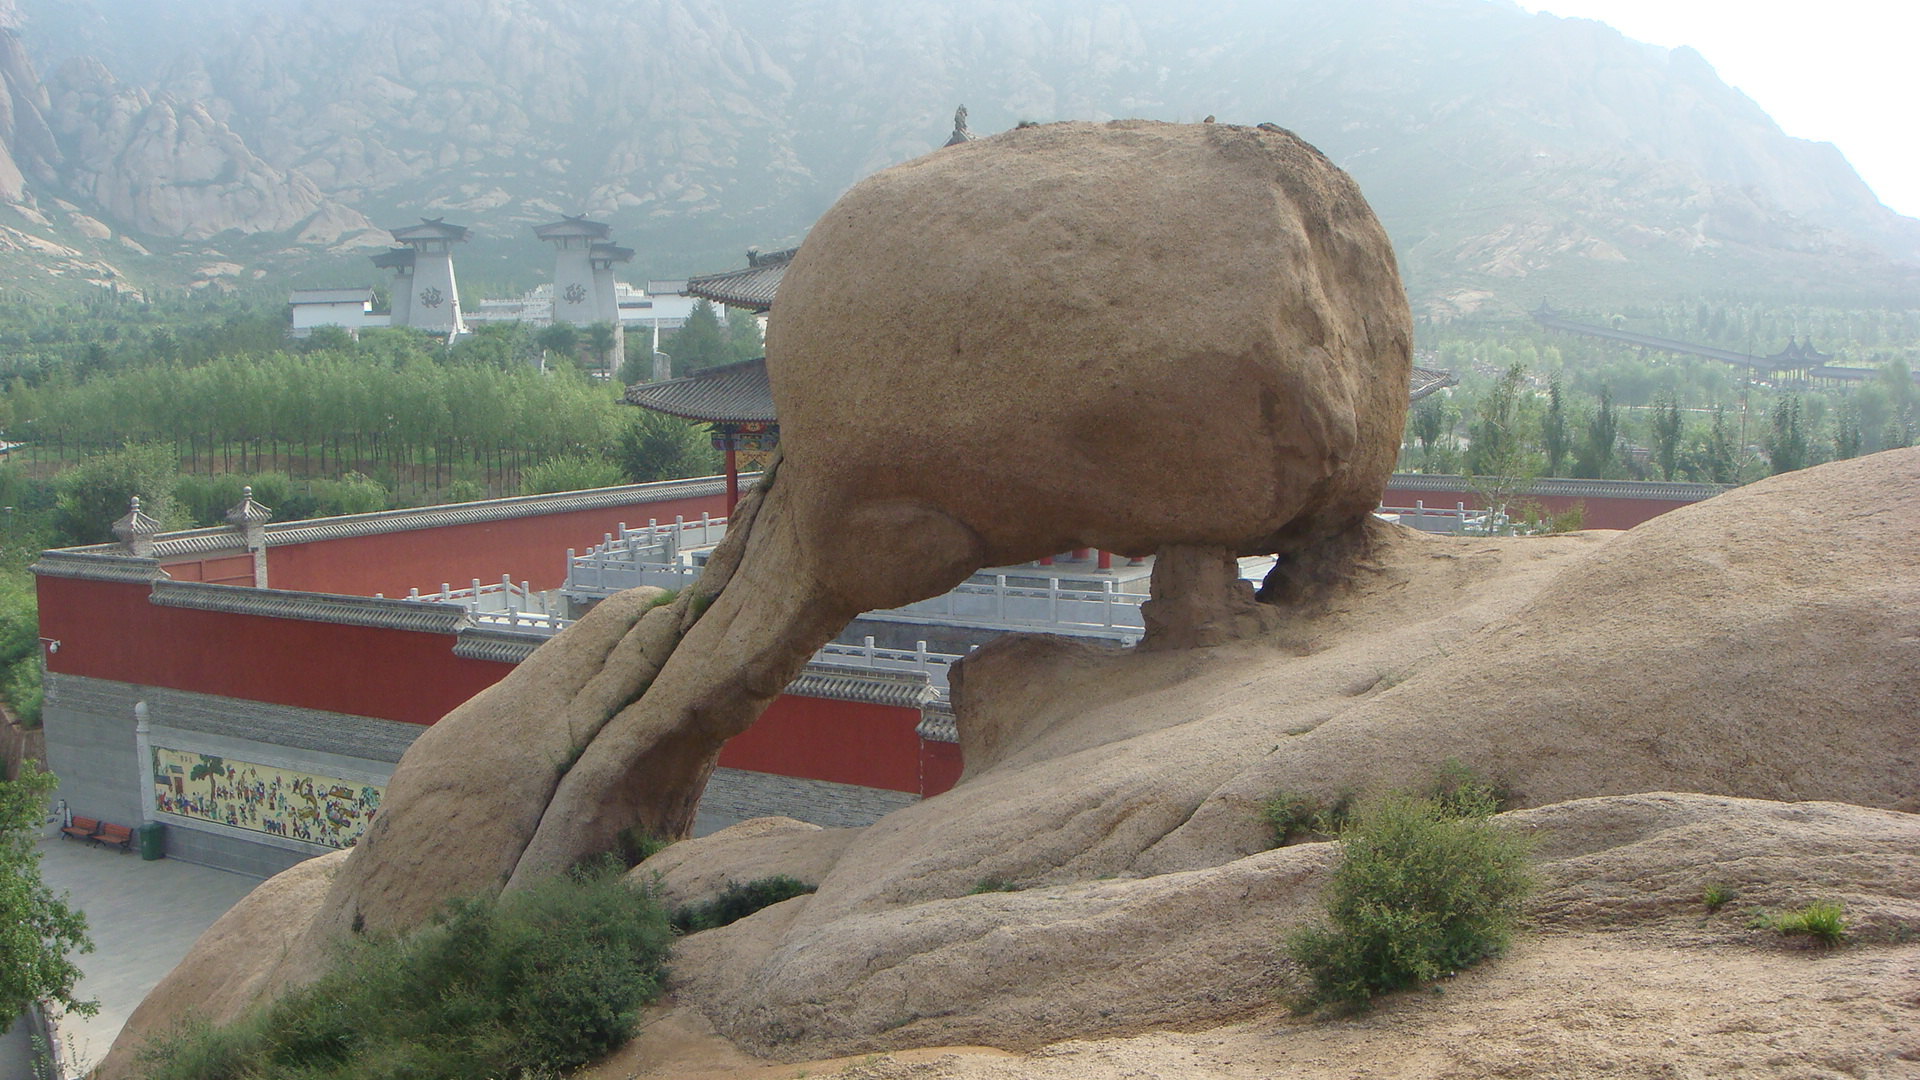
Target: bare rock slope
[
  {"x": 1120, "y": 790},
  {"x": 1734, "y": 658}
]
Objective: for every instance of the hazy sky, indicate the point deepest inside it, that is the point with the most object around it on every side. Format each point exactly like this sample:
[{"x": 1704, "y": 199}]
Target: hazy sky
[{"x": 1838, "y": 71}]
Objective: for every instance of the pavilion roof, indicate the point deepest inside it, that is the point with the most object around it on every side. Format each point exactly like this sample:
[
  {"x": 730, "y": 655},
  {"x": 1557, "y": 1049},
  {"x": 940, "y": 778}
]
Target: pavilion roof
[
  {"x": 570, "y": 225},
  {"x": 1797, "y": 353},
  {"x": 1426, "y": 382},
  {"x": 429, "y": 229},
  {"x": 750, "y": 287},
  {"x": 393, "y": 258},
  {"x": 734, "y": 393},
  {"x": 610, "y": 252}
]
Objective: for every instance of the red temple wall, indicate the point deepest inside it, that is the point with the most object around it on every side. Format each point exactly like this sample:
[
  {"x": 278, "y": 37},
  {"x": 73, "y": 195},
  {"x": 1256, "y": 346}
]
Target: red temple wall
[
  {"x": 845, "y": 742},
  {"x": 1597, "y": 512},
  {"x": 531, "y": 549},
  {"x": 110, "y": 630}
]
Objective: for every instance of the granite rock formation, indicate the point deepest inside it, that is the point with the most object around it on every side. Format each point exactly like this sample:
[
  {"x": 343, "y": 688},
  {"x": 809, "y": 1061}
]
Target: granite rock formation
[{"x": 1120, "y": 790}]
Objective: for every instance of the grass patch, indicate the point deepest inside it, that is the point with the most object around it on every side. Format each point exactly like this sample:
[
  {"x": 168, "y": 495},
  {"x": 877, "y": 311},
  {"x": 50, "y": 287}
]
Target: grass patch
[
  {"x": 994, "y": 885},
  {"x": 738, "y": 901},
  {"x": 635, "y": 845},
  {"x": 1420, "y": 892},
  {"x": 1292, "y": 815},
  {"x": 1716, "y": 896},
  {"x": 1823, "y": 920},
  {"x": 1459, "y": 791},
  {"x": 536, "y": 981}
]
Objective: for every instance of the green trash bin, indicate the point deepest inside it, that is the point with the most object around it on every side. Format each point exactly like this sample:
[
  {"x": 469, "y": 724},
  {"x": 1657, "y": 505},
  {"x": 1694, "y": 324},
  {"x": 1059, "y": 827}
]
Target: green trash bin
[{"x": 152, "y": 838}]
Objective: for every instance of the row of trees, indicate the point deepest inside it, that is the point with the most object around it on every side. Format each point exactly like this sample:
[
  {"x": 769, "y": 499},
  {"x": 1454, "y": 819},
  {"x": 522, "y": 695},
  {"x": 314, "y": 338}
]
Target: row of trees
[
  {"x": 1519, "y": 426},
  {"x": 419, "y": 422}
]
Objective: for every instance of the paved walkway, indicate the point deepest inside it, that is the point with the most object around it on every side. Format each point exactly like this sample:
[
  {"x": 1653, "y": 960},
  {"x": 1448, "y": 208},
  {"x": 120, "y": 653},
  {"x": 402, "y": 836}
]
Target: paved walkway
[{"x": 142, "y": 917}]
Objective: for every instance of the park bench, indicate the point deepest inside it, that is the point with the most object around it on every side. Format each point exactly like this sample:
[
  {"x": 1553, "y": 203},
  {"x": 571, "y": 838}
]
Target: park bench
[
  {"x": 118, "y": 835},
  {"x": 83, "y": 828}
]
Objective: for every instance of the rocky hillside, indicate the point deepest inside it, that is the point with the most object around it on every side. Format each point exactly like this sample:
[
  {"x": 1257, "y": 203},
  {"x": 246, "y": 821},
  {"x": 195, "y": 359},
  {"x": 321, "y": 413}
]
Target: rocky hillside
[{"x": 1512, "y": 156}]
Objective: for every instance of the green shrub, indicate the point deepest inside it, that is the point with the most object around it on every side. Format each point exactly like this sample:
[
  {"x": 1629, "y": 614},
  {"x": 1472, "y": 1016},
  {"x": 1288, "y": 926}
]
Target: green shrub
[
  {"x": 1290, "y": 814},
  {"x": 462, "y": 491},
  {"x": 1459, "y": 791},
  {"x": 636, "y": 845},
  {"x": 993, "y": 885},
  {"x": 1419, "y": 893},
  {"x": 738, "y": 901},
  {"x": 1822, "y": 920},
  {"x": 655, "y": 446},
  {"x": 540, "y": 980},
  {"x": 96, "y": 493},
  {"x": 21, "y": 686},
  {"x": 353, "y": 493},
  {"x": 1716, "y": 896},
  {"x": 570, "y": 472}
]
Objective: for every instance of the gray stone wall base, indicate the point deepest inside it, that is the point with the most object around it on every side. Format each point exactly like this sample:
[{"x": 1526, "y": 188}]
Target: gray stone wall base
[
  {"x": 734, "y": 795},
  {"x": 91, "y": 745}
]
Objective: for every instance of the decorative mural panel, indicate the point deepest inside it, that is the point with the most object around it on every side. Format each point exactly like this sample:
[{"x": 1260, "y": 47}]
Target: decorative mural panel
[
  {"x": 262, "y": 798},
  {"x": 750, "y": 436}
]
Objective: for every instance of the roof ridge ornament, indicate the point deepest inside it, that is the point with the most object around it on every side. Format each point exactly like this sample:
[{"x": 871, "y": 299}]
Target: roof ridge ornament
[
  {"x": 136, "y": 530},
  {"x": 247, "y": 512}
]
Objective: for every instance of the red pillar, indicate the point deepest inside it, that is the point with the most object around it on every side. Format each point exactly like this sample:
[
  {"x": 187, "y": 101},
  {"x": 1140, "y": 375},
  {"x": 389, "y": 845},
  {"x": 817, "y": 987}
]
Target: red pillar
[{"x": 1106, "y": 559}]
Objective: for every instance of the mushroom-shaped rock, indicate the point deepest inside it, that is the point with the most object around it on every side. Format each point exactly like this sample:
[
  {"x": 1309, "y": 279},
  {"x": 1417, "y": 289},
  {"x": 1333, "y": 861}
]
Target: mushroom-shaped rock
[
  {"x": 1120, "y": 336},
  {"x": 1137, "y": 336}
]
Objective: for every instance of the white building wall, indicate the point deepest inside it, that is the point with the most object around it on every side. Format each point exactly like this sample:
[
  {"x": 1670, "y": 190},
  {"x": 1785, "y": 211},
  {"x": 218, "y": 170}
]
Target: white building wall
[
  {"x": 575, "y": 293},
  {"x": 435, "y": 303}
]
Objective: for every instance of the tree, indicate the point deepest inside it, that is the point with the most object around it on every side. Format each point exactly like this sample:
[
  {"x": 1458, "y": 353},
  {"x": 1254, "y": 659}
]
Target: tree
[
  {"x": 1787, "y": 441},
  {"x": 700, "y": 342},
  {"x": 1431, "y": 418},
  {"x": 1594, "y": 457},
  {"x": 212, "y": 770},
  {"x": 660, "y": 447},
  {"x": 1499, "y": 464},
  {"x": 97, "y": 493},
  {"x": 560, "y": 339},
  {"x": 1553, "y": 430},
  {"x": 1721, "y": 460},
  {"x": 37, "y": 929},
  {"x": 744, "y": 340},
  {"x": 601, "y": 337},
  {"x": 1667, "y": 427},
  {"x": 1848, "y": 440}
]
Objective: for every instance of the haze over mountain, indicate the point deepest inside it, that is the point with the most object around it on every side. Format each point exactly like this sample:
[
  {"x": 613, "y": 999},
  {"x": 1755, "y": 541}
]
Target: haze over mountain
[{"x": 1512, "y": 156}]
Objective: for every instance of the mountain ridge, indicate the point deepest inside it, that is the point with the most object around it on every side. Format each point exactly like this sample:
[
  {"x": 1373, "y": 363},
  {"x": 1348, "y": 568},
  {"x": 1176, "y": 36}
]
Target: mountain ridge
[{"x": 1511, "y": 155}]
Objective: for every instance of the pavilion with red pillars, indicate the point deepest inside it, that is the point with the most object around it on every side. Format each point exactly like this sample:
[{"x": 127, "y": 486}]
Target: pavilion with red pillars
[{"x": 735, "y": 401}]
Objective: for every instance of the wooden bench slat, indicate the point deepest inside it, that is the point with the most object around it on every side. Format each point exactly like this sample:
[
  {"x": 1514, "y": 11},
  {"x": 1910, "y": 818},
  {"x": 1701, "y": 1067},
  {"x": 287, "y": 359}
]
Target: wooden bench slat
[
  {"x": 83, "y": 828},
  {"x": 118, "y": 835}
]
